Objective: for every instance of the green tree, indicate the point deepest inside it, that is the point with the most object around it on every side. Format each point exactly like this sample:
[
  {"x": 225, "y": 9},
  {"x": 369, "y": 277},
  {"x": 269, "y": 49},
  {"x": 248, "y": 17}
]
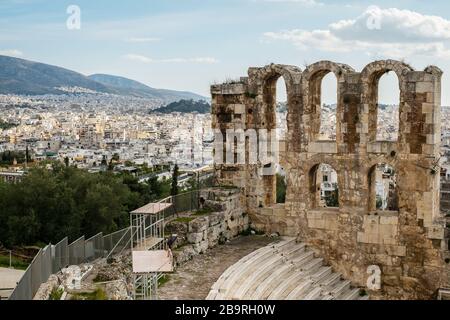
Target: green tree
[
  {"x": 51, "y": 204},
  {"x": 111, "y": 165},
  {"x": 174, "y": 188},
  {"x": 332, "y": 201},
  {"x": 27, "y": 155},
  {"x": 155, "y": 188},
  {"x": 281, "y": 189}
]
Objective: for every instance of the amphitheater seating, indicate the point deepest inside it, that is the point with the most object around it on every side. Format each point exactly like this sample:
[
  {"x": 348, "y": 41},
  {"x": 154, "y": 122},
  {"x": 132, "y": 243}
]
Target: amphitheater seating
[{"x": 285, "y": 270}]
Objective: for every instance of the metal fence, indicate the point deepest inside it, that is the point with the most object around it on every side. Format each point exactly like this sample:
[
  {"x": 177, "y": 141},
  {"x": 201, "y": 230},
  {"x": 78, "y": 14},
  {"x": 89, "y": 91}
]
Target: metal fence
[
  {"x": 181, "y": 203},
  {"x": 76, "y": 252},
  {"x": 37, "y": 272},
  {"x": 93, "y": 247},
  {"x": 60, "y": 255},
  {"x": 120, "y": 241},
  {"x": 53, "y": 258}
]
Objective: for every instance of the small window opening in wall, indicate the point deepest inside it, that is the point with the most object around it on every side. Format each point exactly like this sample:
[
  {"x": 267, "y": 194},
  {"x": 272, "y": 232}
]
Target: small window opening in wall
[
  {"x": 281, "y": 109},
  {"x": 388, "y": 107},
  {"x": 281, "y": 185},
  {"x": 324, "y": 180},
  {"x": 383, "y": 188},
  {"x": 328, "y": 107}
]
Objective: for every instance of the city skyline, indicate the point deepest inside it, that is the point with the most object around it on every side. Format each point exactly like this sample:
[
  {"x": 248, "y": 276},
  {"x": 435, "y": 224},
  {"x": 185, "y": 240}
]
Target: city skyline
[{"x": 188, "y": 45}]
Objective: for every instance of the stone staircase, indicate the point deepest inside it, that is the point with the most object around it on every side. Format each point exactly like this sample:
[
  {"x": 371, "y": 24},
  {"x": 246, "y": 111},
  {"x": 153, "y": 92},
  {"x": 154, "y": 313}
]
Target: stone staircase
[{"x": 286, "y": 270}]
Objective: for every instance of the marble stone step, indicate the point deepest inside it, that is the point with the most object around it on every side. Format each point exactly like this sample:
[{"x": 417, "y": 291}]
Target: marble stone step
[
  {"x": 353, "y": 294},
  {"x": 284, "y": 270}
]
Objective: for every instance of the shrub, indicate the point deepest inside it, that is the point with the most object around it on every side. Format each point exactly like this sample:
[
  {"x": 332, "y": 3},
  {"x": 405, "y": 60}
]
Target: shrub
[{"x": 56, "y": 294}]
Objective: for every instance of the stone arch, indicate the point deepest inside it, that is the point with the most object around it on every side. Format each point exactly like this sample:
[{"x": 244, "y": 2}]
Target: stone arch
[
  {"x": 311, "y": 83},
  {"x": 262, "y": 83},
  {"x": 370, "y": 77},
  {"x": 262, "y": 87}
]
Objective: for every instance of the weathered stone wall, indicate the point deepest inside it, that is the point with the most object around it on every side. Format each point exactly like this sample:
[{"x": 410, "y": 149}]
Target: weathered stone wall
[
  {"x": 227, "y": 221},
  {"x": 408, "y": 245}
]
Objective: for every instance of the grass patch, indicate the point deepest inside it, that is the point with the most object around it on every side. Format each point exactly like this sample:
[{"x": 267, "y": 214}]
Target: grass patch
[
  {"x": 56, "y": 294},
  {"x": 98, "y": 294},
  {"x": 163, "y": 280},
  {"x": 202, "y": 212},
  {"x": 16, "y": 263},
  {"x": 184, "y": 219}
]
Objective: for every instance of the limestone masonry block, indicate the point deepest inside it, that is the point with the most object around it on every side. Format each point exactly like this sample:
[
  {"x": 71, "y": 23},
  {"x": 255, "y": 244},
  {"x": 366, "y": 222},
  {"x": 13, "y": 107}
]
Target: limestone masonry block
[{"x": 195, "y": 237}]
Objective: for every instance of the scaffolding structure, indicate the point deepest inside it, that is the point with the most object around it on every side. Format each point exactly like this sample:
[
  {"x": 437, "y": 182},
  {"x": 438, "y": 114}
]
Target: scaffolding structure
[
  {"x": 147, "y": 232},
  {"x": 145, "y": 286}
]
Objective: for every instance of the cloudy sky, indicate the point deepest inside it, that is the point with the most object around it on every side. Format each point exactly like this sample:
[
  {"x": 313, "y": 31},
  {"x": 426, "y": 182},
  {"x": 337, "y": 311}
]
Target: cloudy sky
[{"x": 190, "y": 44}]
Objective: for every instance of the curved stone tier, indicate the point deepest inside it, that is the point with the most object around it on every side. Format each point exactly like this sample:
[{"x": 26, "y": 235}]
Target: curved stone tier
[{"x": 285, "y": 270}]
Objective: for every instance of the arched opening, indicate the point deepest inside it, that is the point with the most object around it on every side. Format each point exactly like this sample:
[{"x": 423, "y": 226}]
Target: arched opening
[
  {"x": 388, "y": 101},
  {"x": 383, "y": 188},
  {"x": 281, "y": 118},
  {"x": 324, "y": 188},
  {"x": 276, "y": 107},
  {"x": 328, "y": 107},
  {"x": 281, "y": 109}
]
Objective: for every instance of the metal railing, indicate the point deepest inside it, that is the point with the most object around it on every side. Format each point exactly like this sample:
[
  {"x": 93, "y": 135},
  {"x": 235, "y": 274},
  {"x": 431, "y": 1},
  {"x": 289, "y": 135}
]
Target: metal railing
[
  {"x": 181, "y": 203},
  {"x": 122, "y": 242}
]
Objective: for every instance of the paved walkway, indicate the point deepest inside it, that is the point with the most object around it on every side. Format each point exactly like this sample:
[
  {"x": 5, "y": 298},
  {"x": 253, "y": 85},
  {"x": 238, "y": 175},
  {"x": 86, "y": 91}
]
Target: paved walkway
[
  {"x": 8, "y": 280},
  {"x": 193, "y": 280}
]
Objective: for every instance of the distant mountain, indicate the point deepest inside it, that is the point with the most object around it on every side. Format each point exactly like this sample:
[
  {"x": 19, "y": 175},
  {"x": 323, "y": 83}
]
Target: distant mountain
[
  {"x": 23, "y": 77},
  {"x": 133, "y": 88},
  {"x": 185, "y": 106}
]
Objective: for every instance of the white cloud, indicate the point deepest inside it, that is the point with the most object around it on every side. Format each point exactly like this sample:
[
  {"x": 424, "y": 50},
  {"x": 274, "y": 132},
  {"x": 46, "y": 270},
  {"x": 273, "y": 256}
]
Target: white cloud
[
  {"x": 138, "y": 58},
  {"x": 391, "y": 32},
  {"x": 144, "y": 59},
  {"x": 401, "y": 25},
  {"x": 142, "y": 40},
  {"x": 11, "y": 52}
]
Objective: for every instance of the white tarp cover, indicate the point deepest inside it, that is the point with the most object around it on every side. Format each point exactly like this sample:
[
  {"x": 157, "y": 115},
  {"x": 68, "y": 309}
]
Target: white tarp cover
[{"x": 152, "y": 261}]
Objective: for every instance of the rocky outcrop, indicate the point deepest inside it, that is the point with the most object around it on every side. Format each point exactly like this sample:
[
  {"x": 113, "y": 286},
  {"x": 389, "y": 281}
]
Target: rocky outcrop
[{"x": 222, "y": 220}]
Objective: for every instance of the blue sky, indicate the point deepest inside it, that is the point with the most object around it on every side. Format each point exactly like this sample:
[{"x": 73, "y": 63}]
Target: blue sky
[{"x": 190, "y": 44}]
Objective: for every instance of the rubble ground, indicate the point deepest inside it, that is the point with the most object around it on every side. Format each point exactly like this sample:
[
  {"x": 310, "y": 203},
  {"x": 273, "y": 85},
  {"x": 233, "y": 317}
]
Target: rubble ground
[{"x": 193, "y": 280}]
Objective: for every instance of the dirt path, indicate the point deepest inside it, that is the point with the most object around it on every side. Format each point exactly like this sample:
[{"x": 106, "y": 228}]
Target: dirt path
[{"x": 194, "y": 279}]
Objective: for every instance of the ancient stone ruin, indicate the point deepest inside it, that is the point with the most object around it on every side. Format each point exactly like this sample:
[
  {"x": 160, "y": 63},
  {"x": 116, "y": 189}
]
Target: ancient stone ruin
[{"x": 408, "y": 242}]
